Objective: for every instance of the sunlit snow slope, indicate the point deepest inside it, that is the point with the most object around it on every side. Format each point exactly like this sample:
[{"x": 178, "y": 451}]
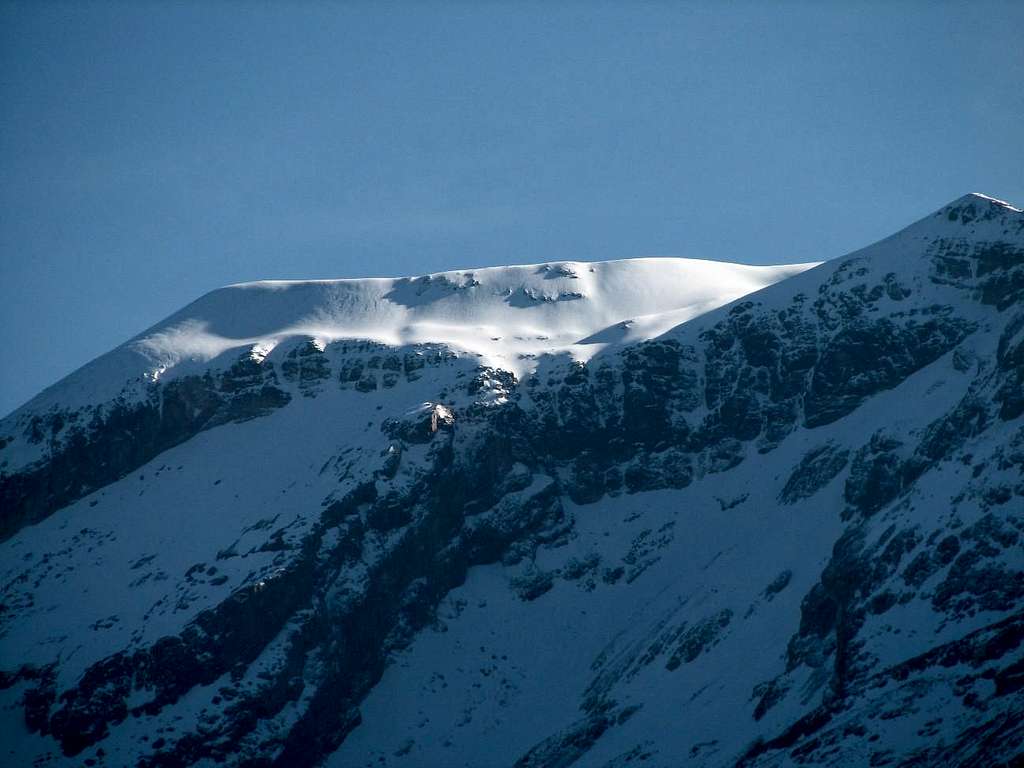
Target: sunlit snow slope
[{"x": 506, "y": 315}]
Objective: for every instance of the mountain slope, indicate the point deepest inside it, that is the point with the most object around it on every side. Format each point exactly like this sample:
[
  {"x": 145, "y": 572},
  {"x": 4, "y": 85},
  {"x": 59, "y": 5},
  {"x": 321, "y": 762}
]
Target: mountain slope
[
  {"x": 784, "y": 531},
  {"x": 218, "y": 359},
  {"x": 498, "y": 313}
]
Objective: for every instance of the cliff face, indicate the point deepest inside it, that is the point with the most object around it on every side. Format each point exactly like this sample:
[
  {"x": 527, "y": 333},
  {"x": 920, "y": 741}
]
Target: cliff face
[{"x": 787, "y": 530}]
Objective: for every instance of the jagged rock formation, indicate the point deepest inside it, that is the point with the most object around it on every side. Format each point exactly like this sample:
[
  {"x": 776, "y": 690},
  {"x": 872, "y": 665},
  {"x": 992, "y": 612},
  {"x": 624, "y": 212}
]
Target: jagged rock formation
[{"x": 785, "y": 531}]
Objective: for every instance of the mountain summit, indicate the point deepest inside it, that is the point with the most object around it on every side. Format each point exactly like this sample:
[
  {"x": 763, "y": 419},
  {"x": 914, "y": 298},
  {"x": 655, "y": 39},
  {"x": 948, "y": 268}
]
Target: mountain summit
[
  {"x": 503, "y": 315},
  {"x": 646, "y": 512}
]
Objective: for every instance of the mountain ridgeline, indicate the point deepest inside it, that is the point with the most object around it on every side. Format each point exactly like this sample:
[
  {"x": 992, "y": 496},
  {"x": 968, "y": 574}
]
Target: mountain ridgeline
[{"x": 655, "y": 512}]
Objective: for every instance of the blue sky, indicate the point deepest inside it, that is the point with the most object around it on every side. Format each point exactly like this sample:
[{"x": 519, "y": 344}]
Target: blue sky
[{"x": 152, "y": 152}]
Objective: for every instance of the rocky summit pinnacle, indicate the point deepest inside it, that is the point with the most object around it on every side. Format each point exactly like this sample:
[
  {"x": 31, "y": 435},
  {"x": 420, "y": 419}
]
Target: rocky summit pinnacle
[
  {"x": 976, "y": 207},
  {"x": 646, "y": 512}
]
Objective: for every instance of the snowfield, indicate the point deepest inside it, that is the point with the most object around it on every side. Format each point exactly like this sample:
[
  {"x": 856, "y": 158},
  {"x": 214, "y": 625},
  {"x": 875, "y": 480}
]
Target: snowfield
[{"x": 505, "y": 315}]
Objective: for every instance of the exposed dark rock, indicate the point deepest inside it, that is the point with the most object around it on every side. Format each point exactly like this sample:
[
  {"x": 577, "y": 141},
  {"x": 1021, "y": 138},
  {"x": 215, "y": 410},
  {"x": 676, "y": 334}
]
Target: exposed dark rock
[
  {"x": 532, "y": 584},
  {"x": 693, "y": 641},
  {"x": 768, "y": 695},
  {"x": 421, "y": 425},
  {"x": 121, "y": 437},
  {"x": 778, "y": 584},
  {"x": 865, "y": 358},
  {"x": 815, "y": 470},
  {"x": 877, "y": 475}
]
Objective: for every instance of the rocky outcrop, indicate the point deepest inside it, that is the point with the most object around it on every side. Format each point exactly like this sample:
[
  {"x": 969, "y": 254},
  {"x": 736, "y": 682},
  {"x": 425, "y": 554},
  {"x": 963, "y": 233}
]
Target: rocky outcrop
[
  {"x": 89, "y": 448},
  {"x": 435, "y": 540}
]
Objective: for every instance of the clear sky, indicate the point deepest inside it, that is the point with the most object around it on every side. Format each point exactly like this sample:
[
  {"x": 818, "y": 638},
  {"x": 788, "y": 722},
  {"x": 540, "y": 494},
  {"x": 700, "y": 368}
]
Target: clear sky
[{"x": 150, "y": 153}]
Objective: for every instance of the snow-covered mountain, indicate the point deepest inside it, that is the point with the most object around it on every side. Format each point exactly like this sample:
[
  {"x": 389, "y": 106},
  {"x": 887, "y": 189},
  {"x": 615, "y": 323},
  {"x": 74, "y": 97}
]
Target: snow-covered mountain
[
  {"x": 648, "y": 512},
  {"x": 506, "y": 316}
]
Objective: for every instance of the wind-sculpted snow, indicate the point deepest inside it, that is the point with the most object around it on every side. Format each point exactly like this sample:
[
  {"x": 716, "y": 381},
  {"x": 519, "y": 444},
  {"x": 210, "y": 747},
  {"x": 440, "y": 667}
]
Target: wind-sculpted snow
[
  {"x": 222, "y": 357},
  {"x": 786, "y": 531},
  {"x": 504, "y": 314}
]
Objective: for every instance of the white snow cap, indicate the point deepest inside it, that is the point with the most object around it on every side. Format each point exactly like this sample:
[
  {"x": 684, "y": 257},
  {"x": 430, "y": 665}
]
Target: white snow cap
[
  {"x": 979, "y": 197},
  {"x": 505, "y": 315}
]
